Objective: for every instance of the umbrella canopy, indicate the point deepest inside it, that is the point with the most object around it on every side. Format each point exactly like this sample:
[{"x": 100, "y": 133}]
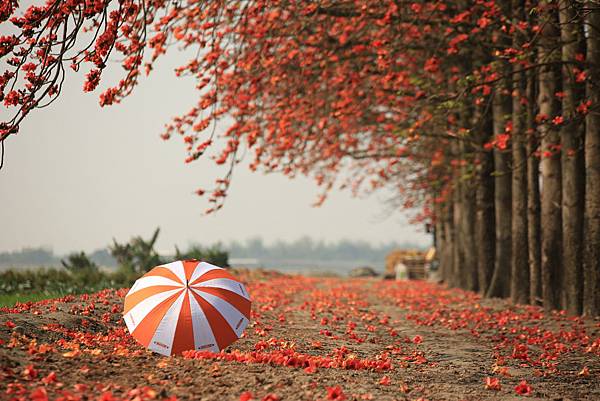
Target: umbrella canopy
[{"x": 186, "y": 305}]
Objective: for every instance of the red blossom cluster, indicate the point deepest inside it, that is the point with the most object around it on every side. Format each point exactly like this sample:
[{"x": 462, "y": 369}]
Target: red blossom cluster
[
  {"x": 292, "y": 358},
  {"x": 40, "y": 41},
  {"x": 311, "y": 88}
]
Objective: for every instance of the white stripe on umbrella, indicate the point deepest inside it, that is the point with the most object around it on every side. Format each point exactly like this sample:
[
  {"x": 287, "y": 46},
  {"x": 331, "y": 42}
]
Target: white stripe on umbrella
[
  {"x": 204, "y": 338},
  {"x": 177, "y": 268},
  {"x": 162, "y": 341}
]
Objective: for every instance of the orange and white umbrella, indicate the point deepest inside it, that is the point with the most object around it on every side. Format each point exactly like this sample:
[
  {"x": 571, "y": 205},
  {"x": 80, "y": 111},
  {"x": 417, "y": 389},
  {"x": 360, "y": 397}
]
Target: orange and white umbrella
[{"x": 186, "y": 305}]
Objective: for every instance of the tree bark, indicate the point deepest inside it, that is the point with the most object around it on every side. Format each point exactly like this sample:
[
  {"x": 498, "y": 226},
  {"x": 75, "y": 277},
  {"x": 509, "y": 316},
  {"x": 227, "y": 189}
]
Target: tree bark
[
  {"x": 591, "y": 291},
  {"x": 550, "y": 165},
  {"x": 448, "y": 255},
  {"x": 484, "y": 204},
  {"x": 533, "y": 196},
  {"x": 468, "y": 236},
  {"x": 458, "y": 277},
  {"x": 519, "y": 288},
  {"x": 572, "y": 167},
  {"x": 467, "y": 226},
  {"x": 501, "y": 110},
  {"x": 500, "y": 283},
  {"x": 439, "y": 232}
]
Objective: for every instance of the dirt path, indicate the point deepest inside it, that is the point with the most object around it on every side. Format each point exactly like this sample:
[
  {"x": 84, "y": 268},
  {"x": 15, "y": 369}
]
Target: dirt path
[
  {"x": 310, "y": 339},
  {"x": 467, "y": 340}
]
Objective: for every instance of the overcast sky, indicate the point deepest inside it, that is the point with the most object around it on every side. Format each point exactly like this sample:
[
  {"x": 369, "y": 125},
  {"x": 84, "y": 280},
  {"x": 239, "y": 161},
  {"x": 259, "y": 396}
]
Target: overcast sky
[{"x": 78, "y": 175}]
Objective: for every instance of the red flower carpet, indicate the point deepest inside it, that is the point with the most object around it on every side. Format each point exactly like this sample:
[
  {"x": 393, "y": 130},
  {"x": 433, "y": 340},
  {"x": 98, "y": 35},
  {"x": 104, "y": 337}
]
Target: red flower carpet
[{"x": 309, "y": 339}]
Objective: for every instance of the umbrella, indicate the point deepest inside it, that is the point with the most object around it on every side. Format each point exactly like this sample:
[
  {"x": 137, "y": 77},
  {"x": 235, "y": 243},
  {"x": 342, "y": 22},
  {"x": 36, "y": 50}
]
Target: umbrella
[{"x": 186, "y": 305}]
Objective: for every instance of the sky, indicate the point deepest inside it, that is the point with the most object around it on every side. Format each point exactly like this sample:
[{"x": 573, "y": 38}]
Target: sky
[{"x": 78, "y": 175}]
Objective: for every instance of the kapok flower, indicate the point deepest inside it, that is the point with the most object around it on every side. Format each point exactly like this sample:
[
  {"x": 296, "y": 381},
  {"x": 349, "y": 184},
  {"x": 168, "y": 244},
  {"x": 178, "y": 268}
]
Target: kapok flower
[
  {"x": 335, "y": 393},
  {"x": 492, "y": 383},
  {"x": 523, "y": 388}
]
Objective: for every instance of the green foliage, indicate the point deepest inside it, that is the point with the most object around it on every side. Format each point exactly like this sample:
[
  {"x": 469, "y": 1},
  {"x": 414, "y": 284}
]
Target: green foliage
[
  {"x": 214, "y": 254},
  {"x": 138, "y": 255},
  {"x": 41, "y": 280},
  {"x": 77, "y": 262}
]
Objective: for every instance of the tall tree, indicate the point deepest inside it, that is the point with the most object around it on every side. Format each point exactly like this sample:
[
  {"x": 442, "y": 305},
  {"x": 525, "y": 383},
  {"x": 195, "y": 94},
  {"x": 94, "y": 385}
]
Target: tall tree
[
  {"x": 458, "y": 250},
  {"x": 500, "y": 282},
  {"x": 551, "y": 234},
  {"x": 533, "y": 195},
  {"x": 572, "y": 173},
  {"x": 467, "y": 181},
  {"x": 484, "y": 201},
  {"x": 519, "y": 288},
  {"x": 501, "y": 110},
  {"x": 591, "y": 299}
]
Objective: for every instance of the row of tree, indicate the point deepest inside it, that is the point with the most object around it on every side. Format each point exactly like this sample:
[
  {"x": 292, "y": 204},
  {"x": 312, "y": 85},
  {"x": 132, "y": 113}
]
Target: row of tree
[
  {"x": 522, "y": 220},
  {"x": 483, "y": 113}
]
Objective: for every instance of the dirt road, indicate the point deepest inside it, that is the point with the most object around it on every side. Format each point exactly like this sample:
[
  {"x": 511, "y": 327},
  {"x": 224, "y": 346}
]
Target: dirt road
[{"x": 325, "y": 339}]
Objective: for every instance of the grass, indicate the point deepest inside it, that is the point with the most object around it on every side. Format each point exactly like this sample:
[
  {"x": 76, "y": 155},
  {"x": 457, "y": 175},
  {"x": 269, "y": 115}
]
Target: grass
[{"x": 11, "y": 299}]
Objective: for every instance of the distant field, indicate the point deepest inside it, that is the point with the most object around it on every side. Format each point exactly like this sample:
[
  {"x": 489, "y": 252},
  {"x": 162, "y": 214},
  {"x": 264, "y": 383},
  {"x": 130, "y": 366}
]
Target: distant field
[
  {"x": 306, "y": 266},
  {"x": 44, "y": 283}
]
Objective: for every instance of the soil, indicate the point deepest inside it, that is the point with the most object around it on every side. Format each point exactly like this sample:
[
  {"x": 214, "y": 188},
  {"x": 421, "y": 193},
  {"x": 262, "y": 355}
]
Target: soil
[{"x": 310, "y": 339}]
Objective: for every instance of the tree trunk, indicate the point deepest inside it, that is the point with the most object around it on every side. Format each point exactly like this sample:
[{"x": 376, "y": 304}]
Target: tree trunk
[
  {"x": 550, "y": 165},
  {"x": 484, "y": 205},
  {"x": 468, "y": 236},
  {"x": 467, "y": 227},
  {"x": 501, "y": 111},
  {"x": 571, "y": 136},
  {"x": 458, "y": 278},
  {"x": 440, "y": 240},
  {"x": 500, "y": 283},
  {"x": 439, "y": 232},
  {"x": 519, "y": 288},
  {"x": 448, "y": 255},
  {"x": 440, "y": 229},
  {"x": 533, "y": 197},
  {"x": 591, "y": 292}
]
